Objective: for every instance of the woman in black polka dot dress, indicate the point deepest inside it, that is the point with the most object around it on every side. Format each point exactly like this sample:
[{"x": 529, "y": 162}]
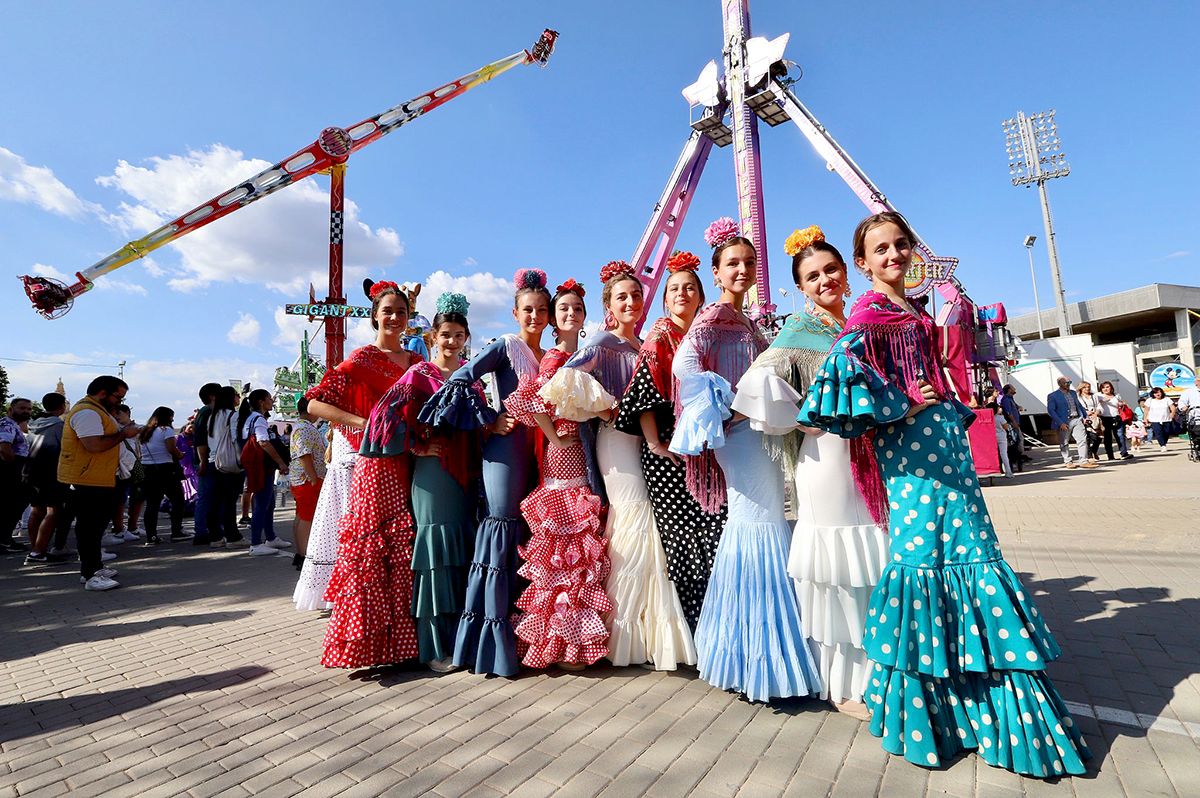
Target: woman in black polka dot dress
[{"x": 689, "y": 534}]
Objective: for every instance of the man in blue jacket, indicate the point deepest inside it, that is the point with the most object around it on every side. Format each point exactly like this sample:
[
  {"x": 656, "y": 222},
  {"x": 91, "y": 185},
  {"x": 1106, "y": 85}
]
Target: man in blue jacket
[{"x": 1066, "y": 416}]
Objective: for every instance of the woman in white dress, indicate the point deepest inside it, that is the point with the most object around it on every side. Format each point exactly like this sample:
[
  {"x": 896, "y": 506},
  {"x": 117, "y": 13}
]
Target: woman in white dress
[{"x": 838, "y": 552}]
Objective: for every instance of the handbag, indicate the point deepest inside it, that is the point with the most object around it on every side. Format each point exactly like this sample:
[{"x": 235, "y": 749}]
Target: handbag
[
  {"x": 137, "y": 472},
  {"x": 1126, "y": 414}
]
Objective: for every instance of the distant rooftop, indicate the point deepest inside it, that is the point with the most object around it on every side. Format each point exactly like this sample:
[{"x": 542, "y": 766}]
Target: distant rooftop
[{"x": 1148, "y": 308}]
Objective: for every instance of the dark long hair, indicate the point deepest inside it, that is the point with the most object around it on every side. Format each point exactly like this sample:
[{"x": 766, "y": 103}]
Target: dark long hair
[
  {"x": 733, "y": 242},
  {"x": 453, "y": 317},
  {"x": 161, "y": 417},
  {"x": 813, "y": 249},
  {"x": 250, "y": 404},
  {"x": 224, "y": 401},
  {"x": 378, "y": 299},
  {"x": 577, "y": 291}
]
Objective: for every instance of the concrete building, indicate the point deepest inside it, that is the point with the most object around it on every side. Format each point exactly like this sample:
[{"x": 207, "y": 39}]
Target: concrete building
[{"x": 1162, "y": 321}]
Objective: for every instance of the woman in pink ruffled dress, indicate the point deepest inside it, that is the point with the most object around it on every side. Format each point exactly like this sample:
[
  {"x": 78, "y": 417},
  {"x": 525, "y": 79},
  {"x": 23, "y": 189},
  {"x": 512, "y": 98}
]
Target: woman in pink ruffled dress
[{"x": 565, "y": 559}]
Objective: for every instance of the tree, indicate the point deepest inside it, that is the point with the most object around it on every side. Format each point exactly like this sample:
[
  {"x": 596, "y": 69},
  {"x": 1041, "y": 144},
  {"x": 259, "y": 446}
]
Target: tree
[{"x": 3, "y": 389}]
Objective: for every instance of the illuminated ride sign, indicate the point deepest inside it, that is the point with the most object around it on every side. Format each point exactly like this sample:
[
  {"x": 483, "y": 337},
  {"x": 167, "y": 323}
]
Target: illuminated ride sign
[
  {"x": 320, "y": 310},
  {"x": 926, "y": 272}
]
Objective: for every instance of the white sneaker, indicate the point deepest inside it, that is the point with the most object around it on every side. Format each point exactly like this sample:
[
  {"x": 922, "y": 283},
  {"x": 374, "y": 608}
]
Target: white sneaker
[
  {"x": 107, "y": 573},
  {"x": 129, "y": 537},
  {"x": 279, "y": 543},
  {"x": 262, "y": 550},
  {"x": 107, "y": 556},
  {"x": 110, "y": 539},
  {"x": 100, "y": 583}
]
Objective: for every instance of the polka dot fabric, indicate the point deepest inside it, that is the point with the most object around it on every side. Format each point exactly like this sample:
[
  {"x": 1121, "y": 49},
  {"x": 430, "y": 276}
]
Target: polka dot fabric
[
  {"x": 372, "y": 583},
  {"x": 958, "y": 648},
  {"x": 689, "y": 535},
  {"x": 565, "y": 562}
]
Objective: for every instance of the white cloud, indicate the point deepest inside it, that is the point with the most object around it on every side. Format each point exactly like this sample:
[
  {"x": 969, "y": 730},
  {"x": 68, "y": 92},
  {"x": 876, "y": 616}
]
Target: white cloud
[
  {"x": 49, "y": 271},
  {"x": 1180, "y": 254},
  {"x": 469, "y": 261},
  {"x": 245, "y": 331},
  {"x": 491, "y": 299},
  {"x": 281, "y": 241},
  {"x": 37, "y": 185}
]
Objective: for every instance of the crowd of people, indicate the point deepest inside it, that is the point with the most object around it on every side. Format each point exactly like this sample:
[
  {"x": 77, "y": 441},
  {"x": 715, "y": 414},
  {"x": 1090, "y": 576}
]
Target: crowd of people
[
  {"x": 609, "y": 497},
  {"x": 89, "y": 468}
]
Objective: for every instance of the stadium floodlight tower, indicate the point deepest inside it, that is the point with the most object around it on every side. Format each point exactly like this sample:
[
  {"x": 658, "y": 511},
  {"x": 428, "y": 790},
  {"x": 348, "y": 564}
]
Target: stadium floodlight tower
[{"x": 1034, "y": 156}]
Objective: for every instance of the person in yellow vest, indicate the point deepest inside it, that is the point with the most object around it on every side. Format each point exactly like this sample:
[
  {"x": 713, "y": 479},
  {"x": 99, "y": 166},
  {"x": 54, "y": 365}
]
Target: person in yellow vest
[{"x": 88, "y": 464}]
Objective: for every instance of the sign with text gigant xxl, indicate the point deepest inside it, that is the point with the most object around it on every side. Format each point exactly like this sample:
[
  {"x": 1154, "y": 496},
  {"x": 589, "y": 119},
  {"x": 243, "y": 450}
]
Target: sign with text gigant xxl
[{"x": 321, "y": 309}]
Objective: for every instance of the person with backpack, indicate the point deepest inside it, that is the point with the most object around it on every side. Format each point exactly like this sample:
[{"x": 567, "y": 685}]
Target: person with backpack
[
  {"x": 262, "y": 454},
  {"x": 47, "y": 495},
  {"x": 220, "y": 436}
]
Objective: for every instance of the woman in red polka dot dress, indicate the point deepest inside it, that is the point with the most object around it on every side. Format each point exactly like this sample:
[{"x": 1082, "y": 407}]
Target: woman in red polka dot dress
[
  {"x": 565, "y": 560},
  {"x": 371, "y": 585}
]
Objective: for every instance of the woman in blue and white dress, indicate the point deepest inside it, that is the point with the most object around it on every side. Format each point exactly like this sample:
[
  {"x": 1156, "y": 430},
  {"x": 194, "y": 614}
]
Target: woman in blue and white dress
[{"x": 750, "y": 637}]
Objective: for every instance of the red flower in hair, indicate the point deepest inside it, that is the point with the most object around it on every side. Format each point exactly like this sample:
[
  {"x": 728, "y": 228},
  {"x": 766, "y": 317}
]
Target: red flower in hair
[
  {"x": 571, "y": 285},
  {"x": 613, "y": 268},
  {"x": 682, "y": 261},
  {"x": 381, "y": 286}
]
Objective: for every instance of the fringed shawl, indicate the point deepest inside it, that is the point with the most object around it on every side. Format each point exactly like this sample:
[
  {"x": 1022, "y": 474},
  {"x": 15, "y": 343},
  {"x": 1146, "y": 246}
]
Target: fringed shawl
[
  {"x": 655, "y": 358},
  {"x": 794, "y": 356},
  {"x": 902, "y": 347},
  {"x": 610, "y": 360},
  {"x": 724, "y": 342},
  {"x": 658, "y": 353},
  {"x": 356, "y": 384}
]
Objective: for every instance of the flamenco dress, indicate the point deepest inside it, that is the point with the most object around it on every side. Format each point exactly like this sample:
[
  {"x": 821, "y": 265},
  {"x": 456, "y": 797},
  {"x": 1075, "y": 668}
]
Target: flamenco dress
[
  {"x": 444, "y": 511},
  {"x": 485, "y": 641},
  {"x": 689, "y": 533},
  {"x": 646, "y": 623},
  {"x": 959, "y": 650},
  {"x": 354, "y": 386},
  {"x": 371, "y": 587},
  {"x": 750, "y": 638},
  {"x": 565, "y": 559},
  {"x": 838, "y": 552}
]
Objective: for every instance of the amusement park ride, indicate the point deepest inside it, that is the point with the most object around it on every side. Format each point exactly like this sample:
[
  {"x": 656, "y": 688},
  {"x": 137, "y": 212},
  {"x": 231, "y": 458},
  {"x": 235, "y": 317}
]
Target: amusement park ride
[
  {"x": 327, "y": 155},
  {"x": 756, "y": 86}
]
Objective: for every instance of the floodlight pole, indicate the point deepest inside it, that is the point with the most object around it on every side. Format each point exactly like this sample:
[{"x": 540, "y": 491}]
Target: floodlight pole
[{"x": 1037, "y": 305}]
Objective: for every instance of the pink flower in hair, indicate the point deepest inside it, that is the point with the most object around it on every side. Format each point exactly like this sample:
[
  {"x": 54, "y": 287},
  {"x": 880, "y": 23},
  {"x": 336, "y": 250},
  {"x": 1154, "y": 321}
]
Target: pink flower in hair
[
  {"x": 721, "y": 231},
  {"x": 529, "y": 279}
]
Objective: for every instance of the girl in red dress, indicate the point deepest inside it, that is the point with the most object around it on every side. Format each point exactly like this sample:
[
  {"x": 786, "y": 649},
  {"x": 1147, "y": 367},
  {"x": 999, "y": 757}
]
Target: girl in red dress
[
  {"x": 371, "y": 585},
  {"x": 565, "y": 560}
]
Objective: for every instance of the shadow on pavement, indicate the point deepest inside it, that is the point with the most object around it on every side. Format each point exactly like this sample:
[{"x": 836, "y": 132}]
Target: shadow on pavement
[{"x": 53, "y": 714}]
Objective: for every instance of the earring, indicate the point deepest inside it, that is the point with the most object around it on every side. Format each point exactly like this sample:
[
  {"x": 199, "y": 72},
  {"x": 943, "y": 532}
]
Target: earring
[
  {"x": 809, "y": 307},
  {"x": 583, "y": 333},
  {"x": 848, "y": 291}
]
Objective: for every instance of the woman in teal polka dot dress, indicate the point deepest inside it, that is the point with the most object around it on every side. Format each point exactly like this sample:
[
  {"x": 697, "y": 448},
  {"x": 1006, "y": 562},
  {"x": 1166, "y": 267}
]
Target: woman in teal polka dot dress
[{"x": 959, "y": 650}]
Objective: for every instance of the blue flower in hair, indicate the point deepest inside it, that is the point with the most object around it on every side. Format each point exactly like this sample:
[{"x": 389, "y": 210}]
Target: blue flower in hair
[{"x": 451, "y": 302}]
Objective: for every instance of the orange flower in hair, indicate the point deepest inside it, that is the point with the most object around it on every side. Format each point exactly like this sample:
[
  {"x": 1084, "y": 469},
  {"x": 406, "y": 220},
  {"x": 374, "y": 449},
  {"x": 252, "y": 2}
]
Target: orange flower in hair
[{"x": 801, "y": 240}]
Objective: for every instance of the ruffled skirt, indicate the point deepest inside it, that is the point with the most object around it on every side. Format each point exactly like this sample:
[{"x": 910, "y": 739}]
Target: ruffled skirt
[
  {"x": 332, "y": 504},
  {"x": 371, "y": 585},
  {"x": 566, "y": 565},
  {"x": 750, "y": 637},
  {"x": 441, "y": 554},
  {"x": 960, "y": 650},
  {"x": 837, "y": 557},
  {"x": 647, "y": 622}
]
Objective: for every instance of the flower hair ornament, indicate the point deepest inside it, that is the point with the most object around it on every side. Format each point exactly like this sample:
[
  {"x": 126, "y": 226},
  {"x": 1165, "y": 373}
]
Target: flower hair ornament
[
  {"x": 572, "y": 286},
  {"x": 613, "y": 268},
  {"x": 529, "y": 279},
  {"x": 373, "y": 289},
  {"x": 801, "y": 240},
  {"x": 682, "y": 262},
  {"x": 451, "y": 302},
  {"x": 721, "y": 231}
]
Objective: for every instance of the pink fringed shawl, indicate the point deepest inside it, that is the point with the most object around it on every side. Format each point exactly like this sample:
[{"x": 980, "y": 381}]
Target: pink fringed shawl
[
  {"x": 726, "y": 343},
  {"x": 902, "y": 348}
]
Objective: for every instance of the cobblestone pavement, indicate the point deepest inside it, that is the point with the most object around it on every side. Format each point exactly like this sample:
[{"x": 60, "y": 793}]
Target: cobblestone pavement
[{"x": 199, "y": 678}]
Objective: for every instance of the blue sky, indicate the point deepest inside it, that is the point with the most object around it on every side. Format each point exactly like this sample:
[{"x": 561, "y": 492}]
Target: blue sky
[{"x": 117, "y": 114}]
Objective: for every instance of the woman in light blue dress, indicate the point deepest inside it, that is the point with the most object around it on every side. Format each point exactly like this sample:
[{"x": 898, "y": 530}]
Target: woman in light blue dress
[{"x": 749, "y": 637}]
